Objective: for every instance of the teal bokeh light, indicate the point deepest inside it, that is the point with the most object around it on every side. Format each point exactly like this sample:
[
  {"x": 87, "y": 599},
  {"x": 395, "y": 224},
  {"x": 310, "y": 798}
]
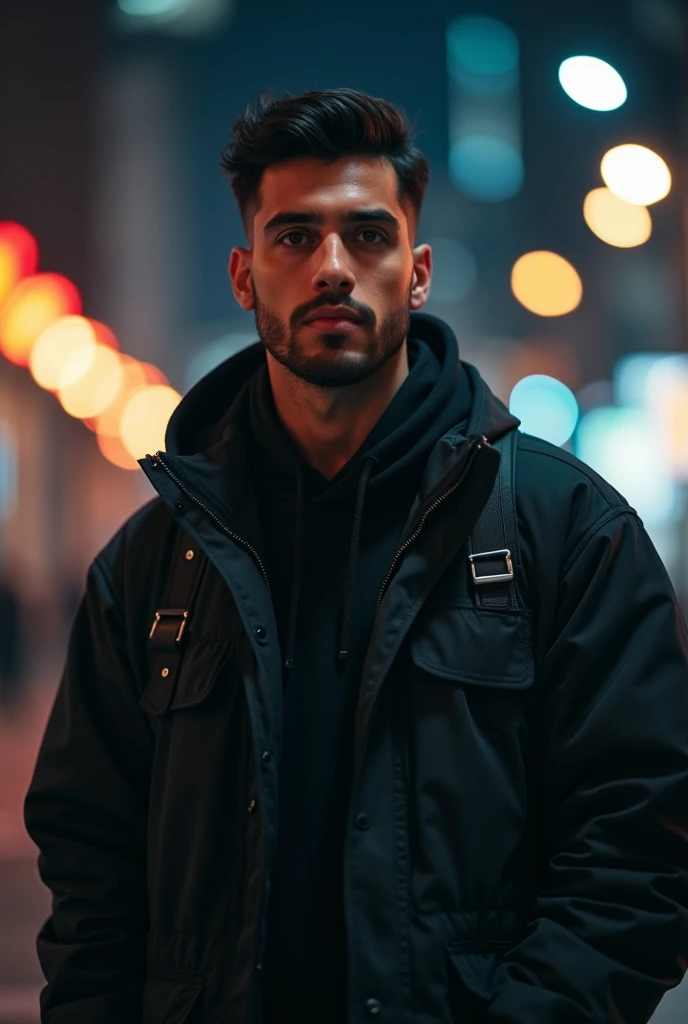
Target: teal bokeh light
[
  {"x": 545, "y": 407},
  {"x": 486, "y": 168}
]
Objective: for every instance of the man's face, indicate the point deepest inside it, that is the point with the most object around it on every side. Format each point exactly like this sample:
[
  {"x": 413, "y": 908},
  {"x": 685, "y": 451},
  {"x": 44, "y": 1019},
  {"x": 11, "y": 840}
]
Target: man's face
[{"x": 332, "y": 273}]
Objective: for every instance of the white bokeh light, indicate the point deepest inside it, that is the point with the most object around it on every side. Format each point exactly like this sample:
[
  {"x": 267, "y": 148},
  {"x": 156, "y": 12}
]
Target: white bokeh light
[{"x": 592, "y": 83}]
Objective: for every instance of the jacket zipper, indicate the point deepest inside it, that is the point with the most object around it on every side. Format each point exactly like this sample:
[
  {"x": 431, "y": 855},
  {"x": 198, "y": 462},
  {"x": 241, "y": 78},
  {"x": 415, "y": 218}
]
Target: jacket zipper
[
  {"x": 156, "y": 461},
  {"x": 431, "y": 508}
]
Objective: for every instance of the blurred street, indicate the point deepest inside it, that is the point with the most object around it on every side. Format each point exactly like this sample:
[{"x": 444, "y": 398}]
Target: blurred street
[{"x": 24, "y": 902}]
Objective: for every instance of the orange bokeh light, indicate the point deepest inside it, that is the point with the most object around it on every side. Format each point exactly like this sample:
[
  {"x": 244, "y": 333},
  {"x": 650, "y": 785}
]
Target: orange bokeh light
[
  {"x": 134, "y": 379},
  {"x": 18, "y": 256},
  {"x": 90, "y": 392},
  {"x": 34, "y": 303},
  {"x": 52, "y": 355},
  {"x": 115, "y": 452},
  {"x": 546, "y": 284},
  {"x": 145, "y": 417}
]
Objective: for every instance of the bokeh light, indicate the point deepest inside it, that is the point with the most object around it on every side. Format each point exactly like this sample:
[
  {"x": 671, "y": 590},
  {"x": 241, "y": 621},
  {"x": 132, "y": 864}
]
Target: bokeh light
[
  {"x": 90, "y": 393},
  {"x": 9, "y": 472},
  {"x": 34, "y": 304},
  {"x": 134, "y": 378},
  {"x": 636, "y": 174},
  {"x": 615, "y": 221},
  {"x": 454, "y": 270},
  {"x": 153, "y": 8},
  {"x": 55, "y": 347},
  {"x": 626, "y": 447},
  {"x": 482, "y": 54},
  {"x": 18, "y": 256},
  {"x": 486, "y": 167},
  {"x": 545, "y": 407},
  {"x": 546, "y": 284},
  {"x": 115, "y": 452},
  {"x": 667, "y": 404},
  {"x": 592, "y": 83},
  {"x": 145, "y": 417}
]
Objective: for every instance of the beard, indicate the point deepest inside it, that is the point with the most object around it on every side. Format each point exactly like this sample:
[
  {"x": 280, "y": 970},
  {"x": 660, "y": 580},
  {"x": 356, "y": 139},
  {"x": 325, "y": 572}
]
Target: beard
[{"x": 328, "y": 369}]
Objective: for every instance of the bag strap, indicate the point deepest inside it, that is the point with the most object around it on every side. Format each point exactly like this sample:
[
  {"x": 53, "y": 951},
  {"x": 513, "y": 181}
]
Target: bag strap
[
  {"x": 493, "y": 548},
  {"x": 168, "y": 632}
]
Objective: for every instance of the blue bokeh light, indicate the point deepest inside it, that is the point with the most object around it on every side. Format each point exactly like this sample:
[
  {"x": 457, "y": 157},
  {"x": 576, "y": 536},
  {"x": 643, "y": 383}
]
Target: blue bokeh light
[
  {"x": 486, "y": 167},
  {"x": 545, "y": 407}
]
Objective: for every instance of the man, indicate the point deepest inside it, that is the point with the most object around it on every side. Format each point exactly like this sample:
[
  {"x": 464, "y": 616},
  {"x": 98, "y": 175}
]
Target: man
[{"x": 341, "y": 784}]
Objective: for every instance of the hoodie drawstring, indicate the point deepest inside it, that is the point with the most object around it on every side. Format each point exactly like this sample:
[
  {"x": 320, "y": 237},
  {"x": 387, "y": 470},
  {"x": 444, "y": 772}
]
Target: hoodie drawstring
[{"x": 343, "y": 652}]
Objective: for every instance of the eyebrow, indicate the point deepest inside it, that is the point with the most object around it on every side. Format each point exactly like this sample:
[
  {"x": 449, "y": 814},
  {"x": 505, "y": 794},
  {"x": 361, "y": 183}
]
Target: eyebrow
[{"x": 312, "y": 217}]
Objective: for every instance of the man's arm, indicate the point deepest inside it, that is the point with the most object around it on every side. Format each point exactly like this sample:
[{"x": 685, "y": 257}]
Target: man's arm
[
  {"x": 86, "y": 810},
  {"x": 608, "y": 935}
]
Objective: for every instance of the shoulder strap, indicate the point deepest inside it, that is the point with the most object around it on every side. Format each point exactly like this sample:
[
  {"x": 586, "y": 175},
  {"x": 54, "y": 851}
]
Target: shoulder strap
[
  {"x": 493, "y": 545},
  {"x": 168, "y": 632}
]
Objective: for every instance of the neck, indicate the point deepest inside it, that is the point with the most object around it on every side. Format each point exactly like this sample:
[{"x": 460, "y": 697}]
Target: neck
[{"x": 329, "y": 425}]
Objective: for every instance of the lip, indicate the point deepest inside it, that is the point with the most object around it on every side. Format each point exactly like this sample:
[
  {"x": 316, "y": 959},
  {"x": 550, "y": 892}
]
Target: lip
[
  {"x": 336, "y": 314},
  {"x": 332, "y": 324}
]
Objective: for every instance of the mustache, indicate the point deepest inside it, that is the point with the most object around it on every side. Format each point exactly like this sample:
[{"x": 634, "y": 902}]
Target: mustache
[{"x": 366, "y": 314}]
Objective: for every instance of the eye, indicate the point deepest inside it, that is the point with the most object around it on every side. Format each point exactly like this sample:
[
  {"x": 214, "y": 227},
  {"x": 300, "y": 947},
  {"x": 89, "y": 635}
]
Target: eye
[
  {"x": 292, "y": 239},
  {"x": 366, "y": 234}
]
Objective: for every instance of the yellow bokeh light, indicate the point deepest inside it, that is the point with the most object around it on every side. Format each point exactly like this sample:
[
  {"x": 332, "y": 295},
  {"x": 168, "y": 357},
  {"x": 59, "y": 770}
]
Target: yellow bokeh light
[
  {"x": 32, "y": 305},
  {"x": 615, "y": 221},
  {"x": 115, "y": 452},
  {"x": 134, "y": 379},
  {"x": 52, "y": 361},
  {"x": 546, "y": 284},
  {"x": 636, "y": 174},
  {"x": 91, "y": 393},
  {"x": 144, "y": 419}
]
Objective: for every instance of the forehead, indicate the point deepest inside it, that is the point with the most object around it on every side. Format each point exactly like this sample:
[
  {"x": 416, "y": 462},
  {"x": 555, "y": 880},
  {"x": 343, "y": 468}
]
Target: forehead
[{"x": 335, "y": 188}]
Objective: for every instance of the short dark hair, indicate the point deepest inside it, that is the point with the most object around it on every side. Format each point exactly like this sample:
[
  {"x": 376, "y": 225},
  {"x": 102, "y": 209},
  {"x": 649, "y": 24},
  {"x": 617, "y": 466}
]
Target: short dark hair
[{"x": 326, "y": 124}]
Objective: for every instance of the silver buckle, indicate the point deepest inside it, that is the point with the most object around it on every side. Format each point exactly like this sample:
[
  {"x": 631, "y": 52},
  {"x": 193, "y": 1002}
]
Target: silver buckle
[
  {"x": 501, "y": 577},
  {"x": 173, "y": 612}
]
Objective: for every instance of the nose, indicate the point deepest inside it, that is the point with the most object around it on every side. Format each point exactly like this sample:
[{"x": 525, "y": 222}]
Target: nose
[{"x": 333, "y": 271}]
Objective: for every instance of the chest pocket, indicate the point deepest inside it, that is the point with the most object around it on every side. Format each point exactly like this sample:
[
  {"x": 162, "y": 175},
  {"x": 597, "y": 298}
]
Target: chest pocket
[{"x": 476, "y": 646}]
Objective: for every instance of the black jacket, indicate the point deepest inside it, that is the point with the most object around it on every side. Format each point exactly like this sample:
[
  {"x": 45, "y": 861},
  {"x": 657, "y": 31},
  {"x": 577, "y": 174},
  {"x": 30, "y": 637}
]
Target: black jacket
[{"x": 515, "y": 842}]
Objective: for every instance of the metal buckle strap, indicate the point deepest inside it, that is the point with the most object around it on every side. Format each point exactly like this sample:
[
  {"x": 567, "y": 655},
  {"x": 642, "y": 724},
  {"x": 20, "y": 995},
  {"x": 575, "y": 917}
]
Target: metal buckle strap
[
  {"x": 163, "y": 614},
  {"x": 168, "y": 632},
  {"x": 495, "y": 536},
  {"x": 502, "y": 577}
]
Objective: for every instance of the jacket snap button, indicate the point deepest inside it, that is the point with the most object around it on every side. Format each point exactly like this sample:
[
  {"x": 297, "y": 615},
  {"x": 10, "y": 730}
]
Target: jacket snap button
[
  {"x": 261, "y": 632},
  {"x": 362, "y": 821},
  {"x": 267, "y": 757},
  {"x": 373, "y": 1006},
  {"x": 179, "y": 505}
]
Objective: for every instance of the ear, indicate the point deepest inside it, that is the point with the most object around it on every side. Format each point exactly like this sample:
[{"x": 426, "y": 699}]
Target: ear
[
  {"x": 240, "y": 262},
  {"x": 422, "y": 274}
]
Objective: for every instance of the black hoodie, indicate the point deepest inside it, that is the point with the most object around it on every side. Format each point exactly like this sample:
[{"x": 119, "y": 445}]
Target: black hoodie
[{"x": 328, "y": 546}]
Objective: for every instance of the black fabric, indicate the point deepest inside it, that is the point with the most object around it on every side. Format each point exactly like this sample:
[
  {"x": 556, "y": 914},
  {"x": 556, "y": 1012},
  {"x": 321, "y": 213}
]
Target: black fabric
[
  {"x": 328, "y": 547},
  {"x": 516, "y": 850}
]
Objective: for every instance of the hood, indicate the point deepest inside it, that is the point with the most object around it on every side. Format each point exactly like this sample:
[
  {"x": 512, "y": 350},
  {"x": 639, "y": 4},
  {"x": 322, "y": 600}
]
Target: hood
[
  {"x": 219, "y": 398},
  {"x": 441, "y": 398}
]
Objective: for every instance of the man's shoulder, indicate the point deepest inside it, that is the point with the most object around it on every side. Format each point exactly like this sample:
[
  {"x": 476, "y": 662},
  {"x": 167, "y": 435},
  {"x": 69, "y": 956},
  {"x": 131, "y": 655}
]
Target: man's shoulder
[
  {"x": 136, "y": 553},
  {"x": 560, "y": 499},
  {"x": 555, "y": 472}
]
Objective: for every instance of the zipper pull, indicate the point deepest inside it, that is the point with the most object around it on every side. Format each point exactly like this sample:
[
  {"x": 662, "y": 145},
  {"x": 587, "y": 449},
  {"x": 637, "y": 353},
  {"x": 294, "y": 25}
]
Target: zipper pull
[{"x": 153, "y": 462}]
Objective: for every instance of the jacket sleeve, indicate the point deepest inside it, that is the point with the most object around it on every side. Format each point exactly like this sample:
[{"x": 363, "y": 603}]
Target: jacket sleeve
[
  {"x": 86, "y": 810},
  {"x": 608, "y": 934}
]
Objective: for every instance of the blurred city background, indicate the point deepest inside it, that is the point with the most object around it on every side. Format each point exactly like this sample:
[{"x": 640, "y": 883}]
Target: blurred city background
[{"x": 557, "y": 212}]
